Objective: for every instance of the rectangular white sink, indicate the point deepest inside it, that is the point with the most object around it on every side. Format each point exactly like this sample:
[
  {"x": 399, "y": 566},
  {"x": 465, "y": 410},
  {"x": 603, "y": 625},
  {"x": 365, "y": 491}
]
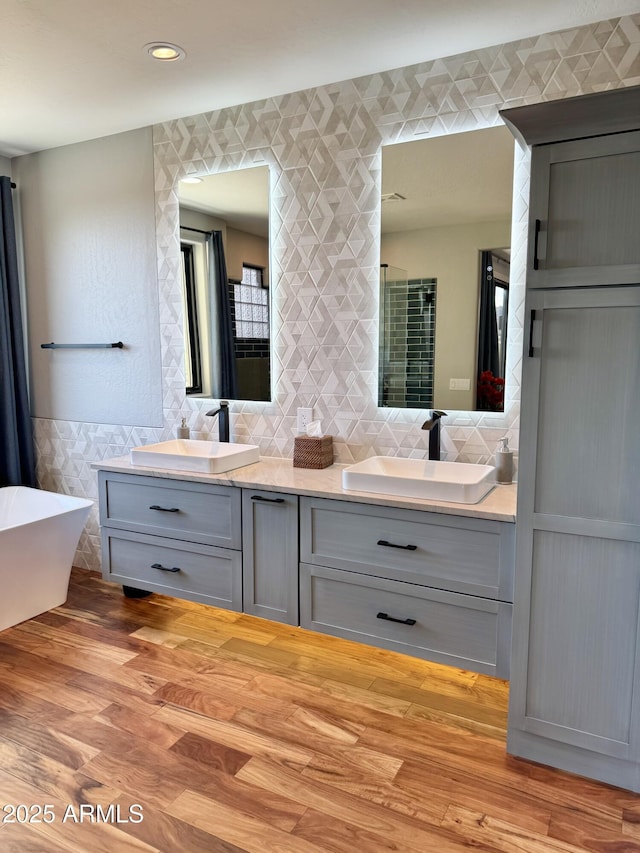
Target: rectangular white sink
[
  {"x": 189, "y": 454},
  {"x": 457, "y": 482}
]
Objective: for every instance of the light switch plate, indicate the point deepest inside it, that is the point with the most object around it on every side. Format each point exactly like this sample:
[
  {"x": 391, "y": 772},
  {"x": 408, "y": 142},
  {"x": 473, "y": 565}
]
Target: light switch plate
[{"x": 459, "y": 384}]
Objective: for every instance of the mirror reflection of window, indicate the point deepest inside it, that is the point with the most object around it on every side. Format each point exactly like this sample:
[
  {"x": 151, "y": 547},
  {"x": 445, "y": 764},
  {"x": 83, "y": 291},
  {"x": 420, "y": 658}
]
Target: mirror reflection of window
[
  {"x": 251, "y": 329},
  {"x": 492, "y": 329},
  {"x": 501, "y": 268},
  {"x": 502, "y": 306},
  {"x": 196, "y": 315},
  {"x": 193, "y": 353},
  {"x": 444, "y": 200},
  {"x": 251, "y": 300}
]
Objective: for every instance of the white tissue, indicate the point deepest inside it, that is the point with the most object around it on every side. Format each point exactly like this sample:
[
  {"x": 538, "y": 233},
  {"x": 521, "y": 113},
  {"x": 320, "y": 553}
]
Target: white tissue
[{"x": 314, "y": 429}]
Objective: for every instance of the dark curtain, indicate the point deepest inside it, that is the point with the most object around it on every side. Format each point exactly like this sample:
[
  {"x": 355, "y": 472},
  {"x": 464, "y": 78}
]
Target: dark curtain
[
  {"x": 221, "y": 320},
  {"x": 17, "y": 457},
  {"x": 488, "y": 358}
]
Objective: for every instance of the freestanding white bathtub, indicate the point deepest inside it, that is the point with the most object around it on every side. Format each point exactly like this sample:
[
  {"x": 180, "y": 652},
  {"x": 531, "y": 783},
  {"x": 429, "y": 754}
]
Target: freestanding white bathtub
[{"x": 39, "y": 533}]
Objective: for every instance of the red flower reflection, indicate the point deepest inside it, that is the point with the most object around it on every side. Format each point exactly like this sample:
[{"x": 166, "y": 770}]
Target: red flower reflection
[{"x": 490, "y": 392}]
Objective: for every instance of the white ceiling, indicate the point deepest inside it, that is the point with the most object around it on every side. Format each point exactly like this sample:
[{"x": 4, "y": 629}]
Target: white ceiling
[{"x": 72, "y": 70}]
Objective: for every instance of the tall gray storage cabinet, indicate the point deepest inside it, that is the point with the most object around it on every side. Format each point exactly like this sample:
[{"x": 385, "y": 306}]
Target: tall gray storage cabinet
[{"x": 575, "y": 668}]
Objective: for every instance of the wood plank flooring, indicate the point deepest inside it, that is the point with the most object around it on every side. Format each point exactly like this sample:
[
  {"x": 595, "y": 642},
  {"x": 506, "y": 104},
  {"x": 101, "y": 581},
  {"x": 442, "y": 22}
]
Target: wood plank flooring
[{"x": 132, "y": 726}]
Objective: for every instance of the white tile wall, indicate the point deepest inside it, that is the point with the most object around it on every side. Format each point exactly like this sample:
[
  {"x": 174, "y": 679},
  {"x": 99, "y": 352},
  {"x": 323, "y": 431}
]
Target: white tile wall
[{"x": 323, "y": 147}]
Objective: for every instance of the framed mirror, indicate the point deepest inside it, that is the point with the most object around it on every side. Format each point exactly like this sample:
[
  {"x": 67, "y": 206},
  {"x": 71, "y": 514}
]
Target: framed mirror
[
  {"x": 444, "y": 275},
  {"x": 224, "y": 242}
]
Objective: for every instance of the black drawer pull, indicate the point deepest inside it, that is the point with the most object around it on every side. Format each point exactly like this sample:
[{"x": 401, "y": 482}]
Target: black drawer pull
[
  {"x": 164, "y": 568},
  {"x": 536, "y": 238},
  {"x": 267, "y": 500},
  {"x": 392, "y": 545},
  {"x": 388, "y": 618},
  {"x": 165, "y": 508},
  {"x": 532, "y": 319}
]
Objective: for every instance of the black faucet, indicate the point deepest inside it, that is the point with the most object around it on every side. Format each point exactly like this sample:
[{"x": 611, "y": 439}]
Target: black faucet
[
  {"x": 223, "y": 420},
  {"x": 433, "y": 425}
]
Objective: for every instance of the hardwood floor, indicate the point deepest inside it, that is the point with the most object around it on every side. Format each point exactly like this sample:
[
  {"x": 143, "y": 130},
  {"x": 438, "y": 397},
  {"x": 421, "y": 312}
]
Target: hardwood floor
[{"x": 159, "y": 725}]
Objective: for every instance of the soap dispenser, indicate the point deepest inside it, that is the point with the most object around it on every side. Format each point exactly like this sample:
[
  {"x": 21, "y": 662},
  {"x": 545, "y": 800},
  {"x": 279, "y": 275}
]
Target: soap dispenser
[
  {"x": 183, "y": 429},
  {"x": 504, "y": 462}
]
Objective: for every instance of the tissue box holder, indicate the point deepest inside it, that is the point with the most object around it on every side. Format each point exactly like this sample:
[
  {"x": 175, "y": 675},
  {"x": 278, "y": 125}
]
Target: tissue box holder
[{"x": 312, "y": 452}]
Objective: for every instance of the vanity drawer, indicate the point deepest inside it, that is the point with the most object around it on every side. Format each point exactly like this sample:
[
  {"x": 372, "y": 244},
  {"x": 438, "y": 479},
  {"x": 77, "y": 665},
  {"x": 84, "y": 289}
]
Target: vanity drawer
[
  {"x": 207, "y": 574},
  {"x": 195, "y": 512},
  {"x": 456, "y": 553},
  {"x": 462, "y": 630}
]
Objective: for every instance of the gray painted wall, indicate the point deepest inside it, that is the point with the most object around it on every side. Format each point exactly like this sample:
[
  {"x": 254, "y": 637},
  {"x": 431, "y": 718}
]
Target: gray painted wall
[{"x": 87, "y": 215}]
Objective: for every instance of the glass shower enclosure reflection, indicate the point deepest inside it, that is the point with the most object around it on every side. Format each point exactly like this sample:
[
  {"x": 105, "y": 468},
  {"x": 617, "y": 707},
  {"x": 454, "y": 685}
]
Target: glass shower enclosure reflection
[{"x": 407, "y": 339}]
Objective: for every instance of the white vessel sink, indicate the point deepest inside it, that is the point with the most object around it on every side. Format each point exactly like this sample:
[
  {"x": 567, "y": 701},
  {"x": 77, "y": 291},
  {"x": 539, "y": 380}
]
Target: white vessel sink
[
  {"x": 458, "y": 482},
  {"x": 189, "y": 454}
]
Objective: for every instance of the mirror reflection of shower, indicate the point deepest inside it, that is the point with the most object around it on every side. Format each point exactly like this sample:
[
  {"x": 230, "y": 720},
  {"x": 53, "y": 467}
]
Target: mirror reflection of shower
[{"x": 407, "y": 339}]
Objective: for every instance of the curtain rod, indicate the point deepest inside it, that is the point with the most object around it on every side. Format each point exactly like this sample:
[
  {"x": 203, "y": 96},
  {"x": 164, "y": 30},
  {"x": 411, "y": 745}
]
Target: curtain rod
[
  {"x": 13, "y": 186},
  {"x": 197, "y": 230}
]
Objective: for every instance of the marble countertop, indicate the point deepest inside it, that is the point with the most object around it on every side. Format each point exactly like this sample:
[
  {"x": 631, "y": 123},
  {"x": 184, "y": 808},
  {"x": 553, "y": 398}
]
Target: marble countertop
[{"x": 279, "y": 475}]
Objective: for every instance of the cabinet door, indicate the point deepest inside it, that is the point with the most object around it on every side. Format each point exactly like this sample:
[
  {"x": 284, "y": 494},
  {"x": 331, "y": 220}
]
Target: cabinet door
[
  {"x": 270, "y": 555},
  {"x": 581, "y": 406},
  {"x": 584, "y": 214},
  {"x": 582, "y": 668},
  {"x": 576, "y": 651}
]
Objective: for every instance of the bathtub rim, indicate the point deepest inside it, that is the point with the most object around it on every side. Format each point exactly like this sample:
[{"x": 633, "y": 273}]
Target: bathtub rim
[{"x": 48, "y": 504}]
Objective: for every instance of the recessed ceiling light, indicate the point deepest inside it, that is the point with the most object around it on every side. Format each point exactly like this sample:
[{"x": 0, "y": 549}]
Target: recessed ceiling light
[
  {"x": 192, "y": 180},
  {"x": 164, "y": 51}
]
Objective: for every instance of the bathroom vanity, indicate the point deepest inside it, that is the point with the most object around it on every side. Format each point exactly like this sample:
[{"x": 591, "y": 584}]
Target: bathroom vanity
[{"x": 427, "y": 578}]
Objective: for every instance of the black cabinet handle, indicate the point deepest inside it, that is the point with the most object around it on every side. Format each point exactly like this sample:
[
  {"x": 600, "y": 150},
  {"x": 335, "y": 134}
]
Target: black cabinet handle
[
  {"x": 267, "y": 500},
  {"x": 536, "y": 237},
  {"x": 532, "y": 319},
  {"x": 388, "y": 618},
  {"x": 164, "y": 508},
  {"x": 164, "y": 568},
  {"x": 392, "y": 545}
]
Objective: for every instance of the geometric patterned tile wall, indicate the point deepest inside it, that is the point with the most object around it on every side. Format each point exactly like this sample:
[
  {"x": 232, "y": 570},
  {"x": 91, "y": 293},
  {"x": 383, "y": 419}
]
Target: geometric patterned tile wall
[{"x": 323, "y": 149}]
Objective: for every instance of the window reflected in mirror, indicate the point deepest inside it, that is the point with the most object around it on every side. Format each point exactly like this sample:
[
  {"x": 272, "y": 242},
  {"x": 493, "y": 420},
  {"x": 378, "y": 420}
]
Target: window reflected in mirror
[
  {"x": 492, "y": 329},
  {"x": 224, "y": 239},
  {"x": 193, "y": 350},
  {"x": 446, "y": 216}
]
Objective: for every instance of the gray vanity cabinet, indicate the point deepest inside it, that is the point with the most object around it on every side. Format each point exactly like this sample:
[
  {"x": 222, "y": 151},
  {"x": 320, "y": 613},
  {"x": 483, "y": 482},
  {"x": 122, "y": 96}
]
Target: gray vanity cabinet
[
  {"x": 575, "y": 685},
  {"x": 427, "y": 584},
  {"x": 174, "y": 537},
  {"x": 270, "y": 558}
]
